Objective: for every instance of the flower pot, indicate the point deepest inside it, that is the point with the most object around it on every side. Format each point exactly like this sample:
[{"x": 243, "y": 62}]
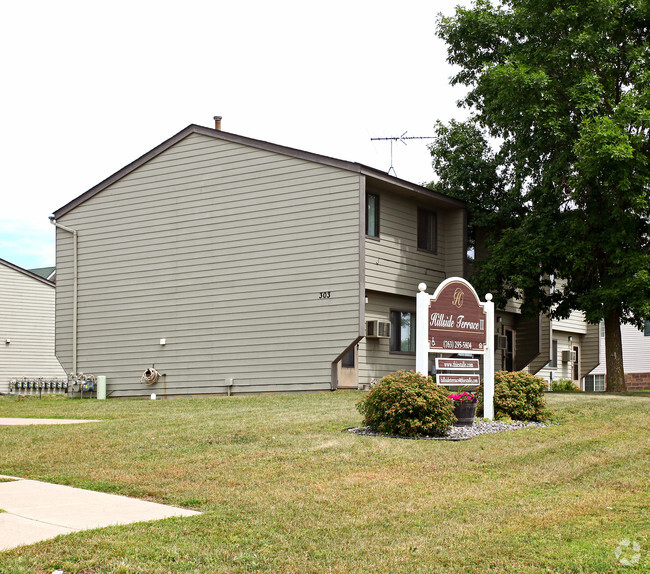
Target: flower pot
[{"x": 465, "y": 412}]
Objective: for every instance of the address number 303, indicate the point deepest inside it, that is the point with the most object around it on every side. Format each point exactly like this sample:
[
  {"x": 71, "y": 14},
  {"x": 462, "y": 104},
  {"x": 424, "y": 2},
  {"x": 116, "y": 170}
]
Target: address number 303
[{"x": 325, "y": 295}]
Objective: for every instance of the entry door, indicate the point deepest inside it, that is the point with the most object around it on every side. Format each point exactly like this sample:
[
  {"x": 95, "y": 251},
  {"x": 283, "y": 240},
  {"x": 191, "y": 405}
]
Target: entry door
[{"x": 576, "y": 364}]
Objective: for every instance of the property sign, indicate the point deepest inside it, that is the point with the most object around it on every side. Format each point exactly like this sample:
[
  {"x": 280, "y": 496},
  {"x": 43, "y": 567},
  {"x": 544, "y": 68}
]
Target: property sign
[
  {"x": 457, "y": 320},
  {"x": 454, "y": 321},
  {"x": 458, "y": 379},
  {"x": 457, "y": 364}
]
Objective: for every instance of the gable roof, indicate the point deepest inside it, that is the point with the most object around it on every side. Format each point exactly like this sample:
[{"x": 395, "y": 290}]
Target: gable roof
[
  {"x": 26, "y": 272},
  {"x": 259, "y": 144},
  {"x": 46, "y": 272}
]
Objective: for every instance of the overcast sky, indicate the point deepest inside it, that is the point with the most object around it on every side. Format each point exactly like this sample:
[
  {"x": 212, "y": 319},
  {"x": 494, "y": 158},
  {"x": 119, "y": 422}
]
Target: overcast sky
[{"x": 90, "y": 86}]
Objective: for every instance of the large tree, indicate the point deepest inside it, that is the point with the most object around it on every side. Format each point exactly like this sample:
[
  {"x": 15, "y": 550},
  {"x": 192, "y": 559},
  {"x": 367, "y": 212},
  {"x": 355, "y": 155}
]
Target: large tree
[{"x": 554, "y": 160}]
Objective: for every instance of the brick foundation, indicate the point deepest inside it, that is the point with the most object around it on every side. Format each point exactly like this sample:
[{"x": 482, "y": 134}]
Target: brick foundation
[{"x": 637, "y": 381}]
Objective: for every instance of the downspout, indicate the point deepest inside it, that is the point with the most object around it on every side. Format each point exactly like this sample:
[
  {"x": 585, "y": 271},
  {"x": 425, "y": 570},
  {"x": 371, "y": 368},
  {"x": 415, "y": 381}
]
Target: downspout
[{"x": 74, "y": 289}]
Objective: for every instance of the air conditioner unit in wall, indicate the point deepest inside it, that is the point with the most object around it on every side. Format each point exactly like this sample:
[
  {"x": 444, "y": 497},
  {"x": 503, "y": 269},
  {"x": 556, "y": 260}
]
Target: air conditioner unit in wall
[
  {"x": 501, "y": 342},
  {"x": 378, "y": 329},
  {"x": 568, "y": 356}
]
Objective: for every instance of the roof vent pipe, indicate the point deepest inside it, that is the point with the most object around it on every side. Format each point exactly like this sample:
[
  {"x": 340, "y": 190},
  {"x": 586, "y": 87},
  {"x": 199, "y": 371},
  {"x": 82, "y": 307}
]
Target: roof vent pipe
[{"x": 217, "y": 123}]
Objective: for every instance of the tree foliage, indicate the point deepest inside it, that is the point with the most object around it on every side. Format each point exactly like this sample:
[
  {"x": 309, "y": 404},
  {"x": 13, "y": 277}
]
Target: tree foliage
[{"x": 554, "y": 160}]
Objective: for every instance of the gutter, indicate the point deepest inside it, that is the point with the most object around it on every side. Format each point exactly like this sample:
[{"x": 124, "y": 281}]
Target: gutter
[{"x": 75, "y": 285}]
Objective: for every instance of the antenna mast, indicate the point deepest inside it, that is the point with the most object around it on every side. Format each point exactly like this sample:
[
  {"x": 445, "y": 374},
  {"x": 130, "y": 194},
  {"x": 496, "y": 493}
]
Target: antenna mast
[{"x": 402, "y": 139}]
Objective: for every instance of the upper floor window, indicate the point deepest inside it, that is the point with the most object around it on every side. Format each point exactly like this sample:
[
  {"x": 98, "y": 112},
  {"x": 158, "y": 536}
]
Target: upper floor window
[
  {"x": 372, "y": 215},
  {"x": 427, "y": 230},
  {"x": 402, "y": 332},
  {"x": 646, "y": 331}
]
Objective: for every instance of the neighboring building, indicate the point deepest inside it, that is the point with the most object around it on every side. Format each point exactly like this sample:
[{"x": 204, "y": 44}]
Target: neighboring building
[
  {"x": 575, "y": 348},
  {"x": 26, "y": 326},
  {"x": 578, "y": 354},
  {"x": 636, "y": 359},
  {"x": 48, "y": 273},
  {"x": 521, "y": 343},
  {"x": 549, "y": 348},
  {"x": 231, "y": 264}
]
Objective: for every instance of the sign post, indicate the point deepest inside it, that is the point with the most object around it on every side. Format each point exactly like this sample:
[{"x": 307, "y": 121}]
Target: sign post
[
  {"x": 488, "y": 361},
  {"x": 453, "y": 320}
]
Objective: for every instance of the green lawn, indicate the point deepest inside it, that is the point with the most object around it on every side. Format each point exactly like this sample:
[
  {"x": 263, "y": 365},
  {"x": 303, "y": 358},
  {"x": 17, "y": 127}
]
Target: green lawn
[{"x": 284, "y": 490}]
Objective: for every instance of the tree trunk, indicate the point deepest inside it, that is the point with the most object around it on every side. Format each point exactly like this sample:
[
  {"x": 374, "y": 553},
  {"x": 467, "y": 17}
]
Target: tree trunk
[{"x": 614, "y": 353}]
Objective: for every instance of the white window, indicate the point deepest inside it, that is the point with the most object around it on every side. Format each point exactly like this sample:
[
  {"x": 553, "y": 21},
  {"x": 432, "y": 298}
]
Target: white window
[{"x": 595, "y": 383}]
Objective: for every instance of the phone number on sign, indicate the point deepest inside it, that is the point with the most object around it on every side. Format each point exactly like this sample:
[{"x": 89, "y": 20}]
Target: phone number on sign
[{"x": 460, "y": 345}]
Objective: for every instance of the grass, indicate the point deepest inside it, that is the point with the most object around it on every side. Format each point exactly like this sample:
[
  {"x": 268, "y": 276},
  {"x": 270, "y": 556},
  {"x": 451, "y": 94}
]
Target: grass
[{"x": 283, "y": 490}]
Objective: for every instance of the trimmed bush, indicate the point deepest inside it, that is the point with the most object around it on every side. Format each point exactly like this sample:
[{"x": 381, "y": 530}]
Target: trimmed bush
[
  {"x": 518, "y": 396},
  {"x": 565, "y": 386},
  {"x": 408, "y": 404}
]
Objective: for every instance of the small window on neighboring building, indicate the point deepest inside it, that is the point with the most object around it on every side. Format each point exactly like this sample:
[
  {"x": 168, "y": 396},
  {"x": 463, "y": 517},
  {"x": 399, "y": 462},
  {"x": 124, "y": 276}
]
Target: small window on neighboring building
[
  {"x": 402, "y": 332},
  {"x": 646, "y": 331},
  {"x": 602, "y": 329},
  {"x": 427, "y": 230},
  {"x": 372, "y": 215},
  {"x": 595, "y": 383},
  {"x": 553, "y": 364}
]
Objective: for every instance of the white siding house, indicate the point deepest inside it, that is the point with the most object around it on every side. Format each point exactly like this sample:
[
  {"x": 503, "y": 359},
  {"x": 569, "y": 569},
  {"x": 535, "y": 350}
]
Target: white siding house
[
  {"x": 26, "y": 326},
  {"x": 636, "y": 359}
]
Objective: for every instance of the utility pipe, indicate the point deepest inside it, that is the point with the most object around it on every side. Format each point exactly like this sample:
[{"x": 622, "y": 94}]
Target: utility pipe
[{"x": 74, "y": 289}]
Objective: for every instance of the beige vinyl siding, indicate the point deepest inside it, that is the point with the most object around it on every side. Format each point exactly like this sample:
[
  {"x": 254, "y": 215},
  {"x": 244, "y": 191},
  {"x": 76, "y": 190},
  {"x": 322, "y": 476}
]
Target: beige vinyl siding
[
  {"x": 453, "y": 229},
  {"x": 513, "y": 306},
  {"x": 590, "y": 349},
  {"x": 375, "y": 358},
  {"x": 584, "y": 336},
  {"x": 222, "y": 250},
  {"x": 27, "y": 320},
  {"x": 588, "y": 345},
  {"x": 529, "y": 343},
  {"x": 546, "y": 346},
  {"x": 636, "y": 351},
  {"x": 394, "y": 264},
  {"x": 575, "y": 323}
]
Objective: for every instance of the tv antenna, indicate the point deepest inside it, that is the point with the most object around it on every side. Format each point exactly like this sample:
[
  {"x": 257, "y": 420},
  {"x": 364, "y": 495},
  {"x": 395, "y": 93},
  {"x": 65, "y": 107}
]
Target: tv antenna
[{"x": 402, "y": 139}]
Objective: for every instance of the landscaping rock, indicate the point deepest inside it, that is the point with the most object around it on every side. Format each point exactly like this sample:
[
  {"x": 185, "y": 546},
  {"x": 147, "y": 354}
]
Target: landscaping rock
[{"x": 460, "y": 433}]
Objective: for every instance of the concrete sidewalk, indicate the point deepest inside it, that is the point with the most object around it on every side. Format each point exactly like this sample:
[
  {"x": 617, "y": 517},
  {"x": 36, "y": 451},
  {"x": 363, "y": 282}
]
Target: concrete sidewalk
[
  {"x": 36, "y": 511},
  {"x": 10, "y": 422}
]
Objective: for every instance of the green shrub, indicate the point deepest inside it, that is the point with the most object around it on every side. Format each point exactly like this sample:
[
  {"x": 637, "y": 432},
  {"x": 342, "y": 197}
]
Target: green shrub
[
  {"x": 565, "y": 386},
  {"x": 407, "y": 404},
  {"x": 518, "y": 396}
]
